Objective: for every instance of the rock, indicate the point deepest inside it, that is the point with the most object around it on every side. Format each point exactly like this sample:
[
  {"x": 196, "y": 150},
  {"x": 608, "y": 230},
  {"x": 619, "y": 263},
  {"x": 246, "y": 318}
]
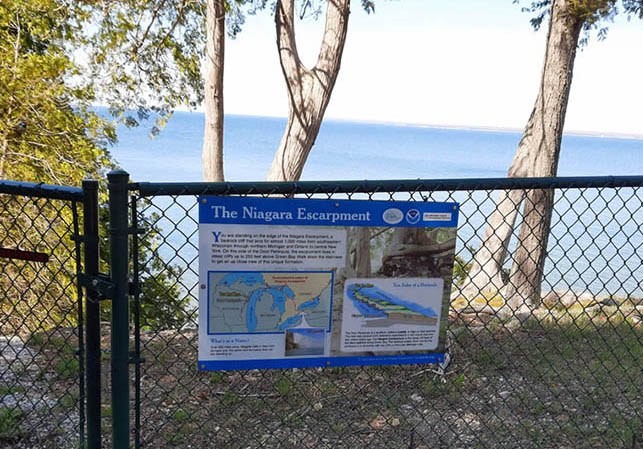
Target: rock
[
  {"x": 609, "y": 302},
  {"x": 557, "y": 299},
  {"x": 416, "y": 397}
]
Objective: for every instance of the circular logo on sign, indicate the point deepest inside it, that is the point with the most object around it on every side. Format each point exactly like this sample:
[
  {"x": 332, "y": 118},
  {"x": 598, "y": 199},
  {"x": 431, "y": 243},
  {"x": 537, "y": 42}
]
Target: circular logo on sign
[
  {"x": 412, "y": 216},
  {"x": 392, "y": 216}
]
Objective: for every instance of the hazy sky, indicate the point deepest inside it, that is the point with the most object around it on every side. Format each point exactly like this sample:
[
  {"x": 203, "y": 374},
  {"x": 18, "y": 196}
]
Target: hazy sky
[{"x": 459, "y": 63}]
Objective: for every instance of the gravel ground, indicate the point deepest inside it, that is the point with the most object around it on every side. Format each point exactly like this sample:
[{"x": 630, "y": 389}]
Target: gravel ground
[
  {"x": 575, "y": 385},
  {"x": 550, "y": 383},
  {"x": 38, "y": 396}
]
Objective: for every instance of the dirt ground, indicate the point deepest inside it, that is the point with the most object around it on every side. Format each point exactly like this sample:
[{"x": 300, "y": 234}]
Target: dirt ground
[{"x": 558, "y": 380}]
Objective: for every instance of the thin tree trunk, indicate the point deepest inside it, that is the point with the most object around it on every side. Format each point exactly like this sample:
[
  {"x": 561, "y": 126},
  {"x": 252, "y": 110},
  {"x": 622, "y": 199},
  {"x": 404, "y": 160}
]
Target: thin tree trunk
[
  {"x": 4, "y": 146},
  {"x": 213, "y": 131},
  {"x": 362, "y": 251},
  {"x": 547, "y": 123},
  {"x": 309, "y": 90}
]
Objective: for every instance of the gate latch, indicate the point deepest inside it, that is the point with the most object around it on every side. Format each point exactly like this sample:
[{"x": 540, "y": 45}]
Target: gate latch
[{"x": 101, "y": 284}]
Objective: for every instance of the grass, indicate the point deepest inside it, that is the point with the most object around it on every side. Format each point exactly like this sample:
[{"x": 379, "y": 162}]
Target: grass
[
  {"x": 67, "y": 367},
  {"x": 6, "y": 390},
  {"x": 68, "y": 400},
  {"x": 559, "y": 380},
  {"x": 10, "y": 423},
  {"x": 217, "y": 377},
  {"x": 284, "y": 386},
  {"x": 180, "y": 415}
]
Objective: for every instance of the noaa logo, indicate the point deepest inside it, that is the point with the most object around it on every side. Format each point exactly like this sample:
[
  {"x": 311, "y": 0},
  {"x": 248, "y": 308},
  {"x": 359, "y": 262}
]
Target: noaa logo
[
  {"x": 412, "y": 216},
  {"x": 392, "y": 216}
]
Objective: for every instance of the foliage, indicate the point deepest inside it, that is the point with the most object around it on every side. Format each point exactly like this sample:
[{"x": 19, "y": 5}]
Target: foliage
[
  {"x": 461, "y": 270},
  {"x": 48, "y": 133},
  {"x": 593, "y": 13},
  {"x": 146, "y": 56},
  {"x": 9, "y": 423},
  {"x": 42, "y": 118},
  {"x": 163, "y": 303}
]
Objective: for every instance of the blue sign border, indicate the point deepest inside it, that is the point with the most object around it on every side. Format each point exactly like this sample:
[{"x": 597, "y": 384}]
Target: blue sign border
[
  {"x": 323, "y": 212},
  {"x": 319, "y": 212},
  {"x": 317, "y": 362}
]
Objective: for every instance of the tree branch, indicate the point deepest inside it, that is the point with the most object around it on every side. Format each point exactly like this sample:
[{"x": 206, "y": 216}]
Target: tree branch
[{"x": 335, "y": 30}]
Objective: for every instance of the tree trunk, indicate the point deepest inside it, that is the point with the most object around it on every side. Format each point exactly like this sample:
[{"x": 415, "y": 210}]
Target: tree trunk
[
  {"x": 309, "y": 90},
  {"x": 4, "y": 147},
  {"x": 412, "y": 253},
  {"x": 546, "y": 128},
  {"x": 213, "y": 131},
  {"x": 539, "y": 148},
  {"x": 361, "y": 251}
]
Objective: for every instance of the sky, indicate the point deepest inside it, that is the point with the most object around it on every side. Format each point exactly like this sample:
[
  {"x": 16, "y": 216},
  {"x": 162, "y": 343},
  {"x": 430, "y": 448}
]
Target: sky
[{"x": 464, "y": 63}]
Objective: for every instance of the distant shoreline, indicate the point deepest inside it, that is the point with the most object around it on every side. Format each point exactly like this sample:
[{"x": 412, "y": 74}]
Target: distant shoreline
[{"x": 499, "y": 129}]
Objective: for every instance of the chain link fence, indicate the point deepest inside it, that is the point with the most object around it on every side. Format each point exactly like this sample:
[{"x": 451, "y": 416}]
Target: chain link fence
[
  {"x": 565, "y": 373},
  {"x": 42, "y": 389}
]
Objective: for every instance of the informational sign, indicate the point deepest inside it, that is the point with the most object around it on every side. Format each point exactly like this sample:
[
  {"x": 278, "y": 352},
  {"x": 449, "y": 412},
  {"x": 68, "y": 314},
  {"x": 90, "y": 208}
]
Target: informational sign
[{"x": 309, "y": 282}]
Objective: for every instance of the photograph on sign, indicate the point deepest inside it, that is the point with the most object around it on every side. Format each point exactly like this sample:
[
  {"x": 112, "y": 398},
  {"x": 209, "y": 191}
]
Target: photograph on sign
[{"x": 308, "y": 282}]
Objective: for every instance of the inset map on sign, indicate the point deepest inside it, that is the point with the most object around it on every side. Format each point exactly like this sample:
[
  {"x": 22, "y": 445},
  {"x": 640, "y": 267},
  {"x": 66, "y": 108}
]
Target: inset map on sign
[{"x": 268, "y": 302}]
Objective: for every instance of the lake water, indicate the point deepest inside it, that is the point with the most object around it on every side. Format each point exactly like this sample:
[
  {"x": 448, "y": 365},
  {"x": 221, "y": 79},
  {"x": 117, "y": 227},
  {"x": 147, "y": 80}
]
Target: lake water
[
  {"x": 596, "y": 239},
  {"x": 350, "y": 150}
]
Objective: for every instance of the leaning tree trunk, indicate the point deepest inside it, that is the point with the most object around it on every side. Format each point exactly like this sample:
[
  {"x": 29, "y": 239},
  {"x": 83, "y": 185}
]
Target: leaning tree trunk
[
  {"x": 546, "y": 126},
  {"x": 213, "y": 131},
  {"x": 485, "y": 276},
  {"x": 538, "y": 149},
  {"x": 309, "y": 90}
]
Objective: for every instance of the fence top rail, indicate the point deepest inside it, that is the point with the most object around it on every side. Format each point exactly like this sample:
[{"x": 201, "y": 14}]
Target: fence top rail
[
  {"x": 41, "y": 190},
  {"x": 405, "y": 185}
]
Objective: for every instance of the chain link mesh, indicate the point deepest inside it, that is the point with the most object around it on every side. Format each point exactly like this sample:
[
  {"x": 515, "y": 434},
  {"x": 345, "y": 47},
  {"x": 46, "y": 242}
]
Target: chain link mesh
[
  {"x": 41, "y": 392},
  {"x": 565, "y": 372}
]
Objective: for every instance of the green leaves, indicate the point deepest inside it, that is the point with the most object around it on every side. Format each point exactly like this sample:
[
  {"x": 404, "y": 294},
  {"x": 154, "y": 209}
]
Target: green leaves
[{"x": 47, "y": 133}]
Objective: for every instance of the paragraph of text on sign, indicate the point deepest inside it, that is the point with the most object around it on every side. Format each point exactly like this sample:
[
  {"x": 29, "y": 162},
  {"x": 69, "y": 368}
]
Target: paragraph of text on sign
[{"x": 251, "y": 246}]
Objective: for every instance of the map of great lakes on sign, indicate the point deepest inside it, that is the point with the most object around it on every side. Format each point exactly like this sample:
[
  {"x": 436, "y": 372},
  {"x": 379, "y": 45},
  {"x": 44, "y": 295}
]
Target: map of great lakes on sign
[{"x": 254, "y": 302}]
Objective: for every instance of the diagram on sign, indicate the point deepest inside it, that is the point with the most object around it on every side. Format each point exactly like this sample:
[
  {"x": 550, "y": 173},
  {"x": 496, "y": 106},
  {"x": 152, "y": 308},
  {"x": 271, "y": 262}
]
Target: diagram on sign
[
  {"x": 380, "y": 308},
  {"x": 391, "y": 314},
  {"x": 268, "y": 302}
]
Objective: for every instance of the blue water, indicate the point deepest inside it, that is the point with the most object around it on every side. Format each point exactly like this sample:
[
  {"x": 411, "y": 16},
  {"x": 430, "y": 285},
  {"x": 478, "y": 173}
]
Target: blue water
[
  {"x": 248, "y": 278},
  {"x": 349, "y": 150},
  {"x": 596, "y": 237},
  {"x": 311, "y": 304},
  {"x": 289, "y": 322},
  {"x": 379, "y": 294}
]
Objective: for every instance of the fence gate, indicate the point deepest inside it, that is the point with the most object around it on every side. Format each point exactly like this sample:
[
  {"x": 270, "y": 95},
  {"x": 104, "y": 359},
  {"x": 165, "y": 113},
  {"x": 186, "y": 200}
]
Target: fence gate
[
  {"x": 49, "y": 340},
  {"x": 566, "y": 374}
]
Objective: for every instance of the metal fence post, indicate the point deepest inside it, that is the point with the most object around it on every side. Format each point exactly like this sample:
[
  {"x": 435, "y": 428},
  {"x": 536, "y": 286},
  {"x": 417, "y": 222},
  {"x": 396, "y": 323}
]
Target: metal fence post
[
  {"x": 92, "y": 315},
  {"x": 118, "y": 237}
]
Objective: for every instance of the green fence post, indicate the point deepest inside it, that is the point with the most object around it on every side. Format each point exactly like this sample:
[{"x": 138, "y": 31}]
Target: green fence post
[
  {"x": 92, "y": 315},
  {"x": 118, "y": 240}
]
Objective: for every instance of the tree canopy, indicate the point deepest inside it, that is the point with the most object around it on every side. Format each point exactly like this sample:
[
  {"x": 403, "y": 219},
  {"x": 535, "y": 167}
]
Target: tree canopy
[{"x": 47, "y": 132}]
